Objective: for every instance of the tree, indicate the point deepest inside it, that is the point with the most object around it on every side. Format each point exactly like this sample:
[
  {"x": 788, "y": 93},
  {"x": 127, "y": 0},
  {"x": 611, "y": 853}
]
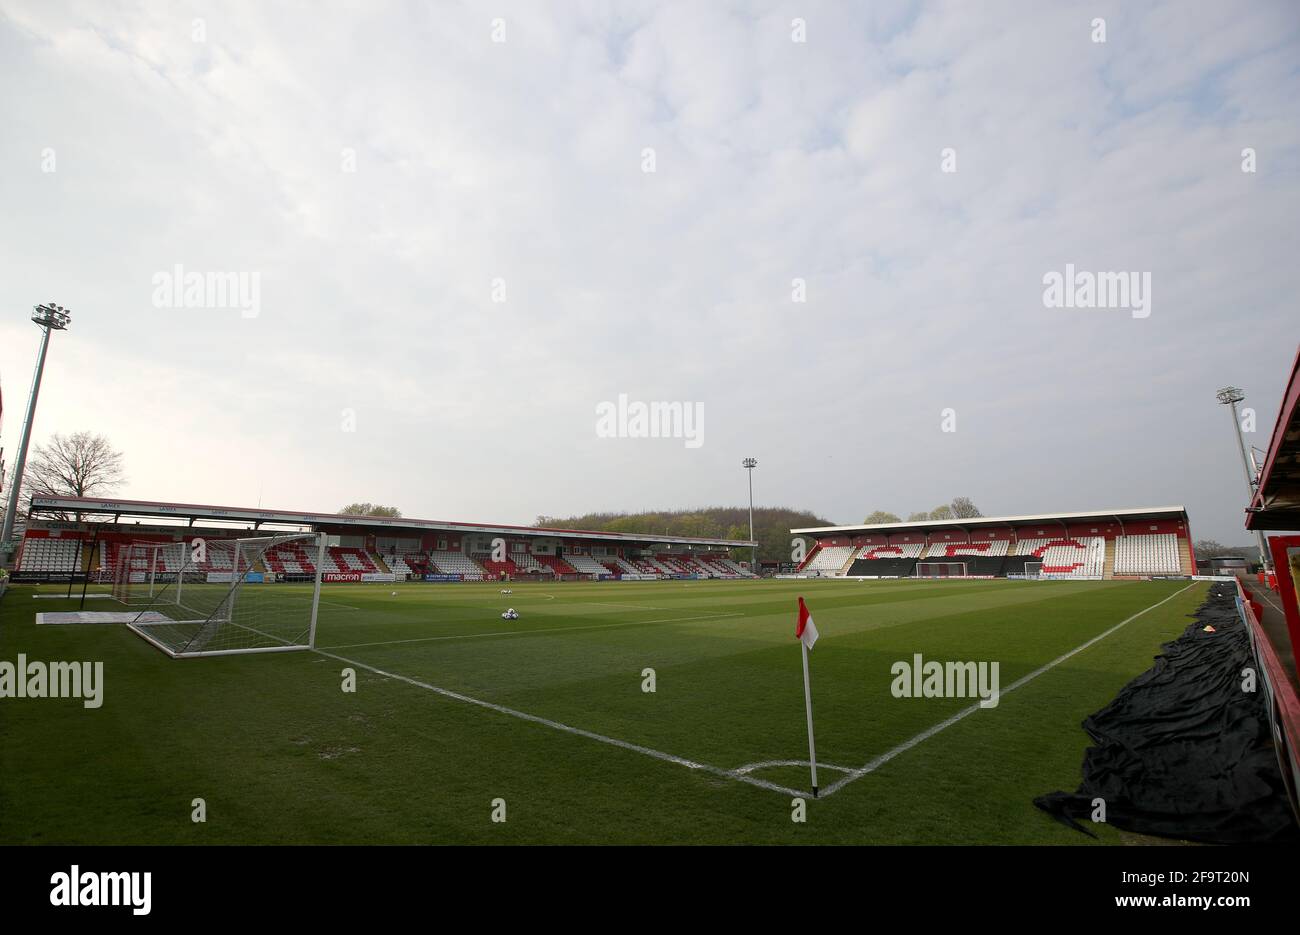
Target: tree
[
  {"x": 1211, "y": 548},
  {"x": 76, "y": 465},
  {"x": 370, "y": 509},
  {"x": 772, "y": 526},
  {"x": 963, "y": 508},
  {"x": 918, "y": 517},
  {"x": 943, "y": 511},
  {"x": 1206, "y": 548},
  {"x": 880, "y": 516}
]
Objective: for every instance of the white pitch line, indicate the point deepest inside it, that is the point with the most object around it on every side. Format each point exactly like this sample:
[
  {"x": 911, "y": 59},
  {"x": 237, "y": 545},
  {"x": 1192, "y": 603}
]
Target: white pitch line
[
  {"x": 768, "y": 764},
  {"x": 569, "y": 729},
  {"x": 873, "y": 765},
  {"x": 634, "y": 606},
  {"x": 476, "y": 636}
]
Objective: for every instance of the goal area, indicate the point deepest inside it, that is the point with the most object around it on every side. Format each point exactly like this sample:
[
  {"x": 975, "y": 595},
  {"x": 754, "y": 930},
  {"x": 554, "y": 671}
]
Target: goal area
[
  {"x": 940, "y": 569},
  {"x": 216, "y": 597}
]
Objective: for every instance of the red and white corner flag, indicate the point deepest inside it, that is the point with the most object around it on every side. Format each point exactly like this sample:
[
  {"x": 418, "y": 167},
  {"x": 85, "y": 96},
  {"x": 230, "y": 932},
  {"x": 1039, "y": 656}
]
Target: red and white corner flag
[{"x": 805, "y": 632}]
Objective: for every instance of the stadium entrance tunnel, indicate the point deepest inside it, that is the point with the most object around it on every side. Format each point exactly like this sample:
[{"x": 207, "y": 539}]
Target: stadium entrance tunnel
[{"x": 1184, "y": 751}]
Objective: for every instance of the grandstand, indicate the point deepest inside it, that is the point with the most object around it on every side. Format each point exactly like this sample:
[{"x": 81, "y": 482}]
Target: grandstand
[
  {"x": 1132, "y": 543},
  {"x": 1102, "y": 544},
  {"x": 361, "y": 549}
]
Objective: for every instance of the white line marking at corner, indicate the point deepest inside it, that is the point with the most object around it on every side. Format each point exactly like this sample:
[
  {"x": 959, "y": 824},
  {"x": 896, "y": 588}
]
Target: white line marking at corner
[
  {"x": 873, "y": 765},
  {"x": 569, "y": 729}
]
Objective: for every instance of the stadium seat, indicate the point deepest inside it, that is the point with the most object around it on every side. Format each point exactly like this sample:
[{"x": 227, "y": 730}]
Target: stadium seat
[
  {"x": 828, "y": 560},
  {"x": 676, "y": 564},
  {"x": 643, "y": 566},
  {"x": 528, "y": 563},
  {"x": 1154, "y": 554},
  {"x": 1066, "y": 556},
  {"x": 993, "y": 549},
  {"x": 735, "y": 568},
  {"x": 906, "y": 550},
  {"x": 289, "y": 558},
  {"x": 345, "y": 559},
  {"x": 48, "y": 554},
  {"x": 397, "y": 565},
  {"x": 457, "y": 563},
  {"x": 218, "y": 556},
  {"x": 586, "y": 565}
]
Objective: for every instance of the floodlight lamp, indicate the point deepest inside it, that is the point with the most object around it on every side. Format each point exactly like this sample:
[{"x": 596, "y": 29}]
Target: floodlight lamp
[{"x": 52, "y": 315}]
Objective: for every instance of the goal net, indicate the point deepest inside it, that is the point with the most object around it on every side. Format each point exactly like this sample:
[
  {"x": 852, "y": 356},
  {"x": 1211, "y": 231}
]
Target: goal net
[
  {"x": 1033, "y": 569},
  {"x": 940, "y": 569},
  {"x": 219, "y": 598},
  {"x": 142, "y": 569}
]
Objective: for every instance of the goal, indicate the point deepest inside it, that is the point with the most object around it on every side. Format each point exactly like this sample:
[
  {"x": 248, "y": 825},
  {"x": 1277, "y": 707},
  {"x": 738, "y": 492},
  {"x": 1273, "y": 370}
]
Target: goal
[
  {"x": 1033, "y": 569},
  {"x": 940, "y": 569},
  {"x": 217, "y": 597},
  {"x": 142, "y": 569}
]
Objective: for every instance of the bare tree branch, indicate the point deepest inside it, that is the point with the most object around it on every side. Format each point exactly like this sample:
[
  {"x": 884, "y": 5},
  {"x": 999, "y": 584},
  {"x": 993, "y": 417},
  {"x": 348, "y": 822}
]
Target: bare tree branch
[{"x": 78, "y": 465}]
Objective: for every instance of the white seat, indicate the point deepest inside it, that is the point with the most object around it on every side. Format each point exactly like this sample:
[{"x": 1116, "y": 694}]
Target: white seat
[
  {"x": 585, "y": 565},
  {"x": 1147, "y": 554},
  {"x": 829, "y": 559}
]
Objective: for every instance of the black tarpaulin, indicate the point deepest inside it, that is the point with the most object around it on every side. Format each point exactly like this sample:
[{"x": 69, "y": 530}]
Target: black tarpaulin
[{"x": 1183, "y": 751}]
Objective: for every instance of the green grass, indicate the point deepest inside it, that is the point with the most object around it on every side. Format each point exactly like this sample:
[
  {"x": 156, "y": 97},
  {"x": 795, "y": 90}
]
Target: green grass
[{"x": 282, "y": 755}]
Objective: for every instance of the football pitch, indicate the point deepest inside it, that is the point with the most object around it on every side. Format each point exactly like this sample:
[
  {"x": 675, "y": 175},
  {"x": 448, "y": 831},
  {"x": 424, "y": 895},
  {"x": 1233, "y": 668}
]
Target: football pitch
[{"x": 459, "y": 717}]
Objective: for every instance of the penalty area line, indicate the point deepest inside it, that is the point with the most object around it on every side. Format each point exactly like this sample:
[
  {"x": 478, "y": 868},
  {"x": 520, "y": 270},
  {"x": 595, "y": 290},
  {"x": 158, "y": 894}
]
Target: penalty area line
[
  {"x": 718, "y": 771},
  {"x": 873, "y": 765}
]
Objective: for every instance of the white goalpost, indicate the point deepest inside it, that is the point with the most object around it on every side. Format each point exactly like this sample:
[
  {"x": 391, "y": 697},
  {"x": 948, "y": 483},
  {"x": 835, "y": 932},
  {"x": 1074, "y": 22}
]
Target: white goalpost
[
  {"x": 215, "y": 598},
  {"x": 940, "y": 570},
  {"x": 1033, "y": 569}
]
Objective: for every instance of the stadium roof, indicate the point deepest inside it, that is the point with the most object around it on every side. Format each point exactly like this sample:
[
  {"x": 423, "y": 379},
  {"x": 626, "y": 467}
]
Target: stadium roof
[
  {"x": 984, "y": 522},
  {"x": 1277, "y": 501},
  {"x": 154, "y": 509}
]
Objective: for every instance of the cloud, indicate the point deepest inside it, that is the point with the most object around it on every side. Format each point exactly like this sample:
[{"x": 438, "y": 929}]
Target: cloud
[{"x": 519, "y": 164}]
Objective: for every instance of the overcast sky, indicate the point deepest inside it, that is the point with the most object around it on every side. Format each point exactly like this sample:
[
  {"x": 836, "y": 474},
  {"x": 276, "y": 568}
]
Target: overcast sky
[{"x": 382, "y": 168}]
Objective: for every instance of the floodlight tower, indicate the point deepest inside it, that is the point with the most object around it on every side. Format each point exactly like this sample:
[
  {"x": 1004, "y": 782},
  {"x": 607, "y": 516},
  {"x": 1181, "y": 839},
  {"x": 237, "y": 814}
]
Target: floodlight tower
[
  {"x": 48, "y": 317},
  {"x": 749, "y": 464},
  {"x": 1229, "y": 396}
]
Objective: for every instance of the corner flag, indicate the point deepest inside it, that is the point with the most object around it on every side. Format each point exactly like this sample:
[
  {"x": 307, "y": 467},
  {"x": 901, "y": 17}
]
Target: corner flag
[{"x": 805, "y": 632}]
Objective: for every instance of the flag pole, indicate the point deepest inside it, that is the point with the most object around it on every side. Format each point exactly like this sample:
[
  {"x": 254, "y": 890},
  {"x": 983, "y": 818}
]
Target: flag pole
[{"x": 807, "y": 697}]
